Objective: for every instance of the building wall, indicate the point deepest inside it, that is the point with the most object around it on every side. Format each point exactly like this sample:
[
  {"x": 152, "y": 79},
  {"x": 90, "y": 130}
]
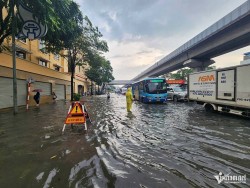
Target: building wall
[
  {"x": 53, "y": 78},
  {"x": 30, "y": 68}
]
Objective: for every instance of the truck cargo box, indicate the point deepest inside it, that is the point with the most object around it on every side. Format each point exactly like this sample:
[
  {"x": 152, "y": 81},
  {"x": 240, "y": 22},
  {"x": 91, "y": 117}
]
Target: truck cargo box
[{"x": 226, "y": 89}]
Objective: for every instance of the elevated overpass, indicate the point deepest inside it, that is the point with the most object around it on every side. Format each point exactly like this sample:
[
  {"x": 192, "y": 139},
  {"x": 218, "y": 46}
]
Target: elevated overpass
[
  {"x": 228, "y": 34},
  {"x": 120, "y": 82}
]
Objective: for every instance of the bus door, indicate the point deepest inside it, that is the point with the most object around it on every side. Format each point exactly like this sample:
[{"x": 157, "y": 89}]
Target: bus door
[{"x": 136, "y": 92}]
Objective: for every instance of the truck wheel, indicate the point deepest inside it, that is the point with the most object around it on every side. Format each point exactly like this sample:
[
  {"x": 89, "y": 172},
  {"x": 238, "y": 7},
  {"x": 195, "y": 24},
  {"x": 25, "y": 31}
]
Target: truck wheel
[
  {"x": 175, "y": 99},
  {"x": 209, "y": 108}
]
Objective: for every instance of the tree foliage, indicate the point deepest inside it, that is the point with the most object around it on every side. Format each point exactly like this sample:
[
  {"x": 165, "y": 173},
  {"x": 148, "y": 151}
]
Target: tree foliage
[
  {"x": 65, "y": 26},
  {"x": 67, "y": 30},
  {"x": 86, "y": 45},
  {"x": 181, "y": 74},
  {"x": 101, "y": 71},
  {"x": 62, "y": 18},
  {"x": 5, "y": 22},
  {"x": 85, "y": 48},
  {"x": 211, "y": 68}
]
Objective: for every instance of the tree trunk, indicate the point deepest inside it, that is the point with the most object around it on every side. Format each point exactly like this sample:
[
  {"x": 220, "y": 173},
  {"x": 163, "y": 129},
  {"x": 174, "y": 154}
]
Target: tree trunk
[
  {"x": 91, "y": 89},
  {"x": 72, "y": 85},
  {"x": 102, "y": 88},
  {"x": 72, "y": 70}
]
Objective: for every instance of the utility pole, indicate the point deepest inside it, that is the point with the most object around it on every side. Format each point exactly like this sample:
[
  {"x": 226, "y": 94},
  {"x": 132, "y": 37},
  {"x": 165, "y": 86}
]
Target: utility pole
[{"x": 14, "y": 57}]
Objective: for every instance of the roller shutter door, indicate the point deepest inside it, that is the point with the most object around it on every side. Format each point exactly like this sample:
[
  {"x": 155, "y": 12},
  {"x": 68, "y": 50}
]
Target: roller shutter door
[
  {"x": 46, "y": 87},
  {"x": 60, "y": 91},
  {"x": 6, "y": 92},
  {"x": 68, "y": 89}
]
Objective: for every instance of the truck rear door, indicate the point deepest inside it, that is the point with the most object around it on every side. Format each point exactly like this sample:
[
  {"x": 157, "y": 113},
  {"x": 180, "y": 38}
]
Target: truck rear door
[{"x": 226, "y": 85}]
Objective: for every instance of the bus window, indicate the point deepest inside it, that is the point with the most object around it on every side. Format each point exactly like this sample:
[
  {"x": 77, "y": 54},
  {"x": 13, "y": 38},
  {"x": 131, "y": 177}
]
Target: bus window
[
  {"x": 141, "y": 86},
  {"x": 154, "y": 88}
]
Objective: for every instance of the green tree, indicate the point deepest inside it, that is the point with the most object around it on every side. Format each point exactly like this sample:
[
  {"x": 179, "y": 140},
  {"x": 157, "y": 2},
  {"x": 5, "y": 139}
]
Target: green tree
[
  {"x": 67, "y": 30},
  {"x": 181, "y": 74},
  {"x": 211, "y": 67},
  {"x": 62, "y": 18},
  {"x": 85, "y": 48},
  {"x": 100, "y": 71}
]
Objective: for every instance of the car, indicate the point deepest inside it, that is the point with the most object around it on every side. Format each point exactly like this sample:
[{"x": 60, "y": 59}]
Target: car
[
  {"x": 124, "y": 90},
  {"x": 177, "y": 94}
]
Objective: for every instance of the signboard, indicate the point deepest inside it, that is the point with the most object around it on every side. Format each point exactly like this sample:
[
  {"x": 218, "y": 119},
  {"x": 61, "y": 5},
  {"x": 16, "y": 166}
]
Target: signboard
[
  {"x": 157, "y": 80},
  {"x": 32, "y": 27},
  {"x": 75, "y": 120},
  {"x": 175, "y": 81},
  {"x": 77, "y": 109},
  {"x": 76, "y": 115},
  {"x": 202, "y": 86}
]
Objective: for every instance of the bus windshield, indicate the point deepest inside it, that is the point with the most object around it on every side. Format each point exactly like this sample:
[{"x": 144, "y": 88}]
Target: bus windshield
[{"x": 155, "y": 88}]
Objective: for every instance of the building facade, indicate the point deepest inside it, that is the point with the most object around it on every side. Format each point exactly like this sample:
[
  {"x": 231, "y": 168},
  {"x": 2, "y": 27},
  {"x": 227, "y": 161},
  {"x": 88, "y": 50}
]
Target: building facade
[{"x": 48, "y": 72}]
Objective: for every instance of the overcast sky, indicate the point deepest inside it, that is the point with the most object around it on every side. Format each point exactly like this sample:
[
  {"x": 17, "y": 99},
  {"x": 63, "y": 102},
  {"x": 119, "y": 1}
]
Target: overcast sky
[{"x": 141, "y": 32}]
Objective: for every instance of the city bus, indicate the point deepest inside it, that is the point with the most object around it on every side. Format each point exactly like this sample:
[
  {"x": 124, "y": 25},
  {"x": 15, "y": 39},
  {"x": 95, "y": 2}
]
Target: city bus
[{"x": 150, "y": 90}]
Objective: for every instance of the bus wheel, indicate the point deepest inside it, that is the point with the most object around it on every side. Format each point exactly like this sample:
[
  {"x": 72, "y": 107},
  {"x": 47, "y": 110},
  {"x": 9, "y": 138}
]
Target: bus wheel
[{"x": 175, "y": 99}]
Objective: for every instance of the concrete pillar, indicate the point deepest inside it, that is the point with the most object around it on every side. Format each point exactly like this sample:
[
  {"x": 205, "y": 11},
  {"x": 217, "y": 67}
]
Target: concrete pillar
[{"x": 198, "y": 64}]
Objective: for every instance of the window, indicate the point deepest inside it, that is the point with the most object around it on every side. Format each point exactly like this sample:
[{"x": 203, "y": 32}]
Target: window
[
  {"x": 56, "y": 57},
  {"x": 21, "y": 54},
  {"x": 57, "y": 68},
  {"x": 43, "y": 63},
  {"x": 141, "y": 86},
  {"x": 23, "y": 40},
  {"x": 155, "y": 87},
  {"x": 42, "y": 46}
]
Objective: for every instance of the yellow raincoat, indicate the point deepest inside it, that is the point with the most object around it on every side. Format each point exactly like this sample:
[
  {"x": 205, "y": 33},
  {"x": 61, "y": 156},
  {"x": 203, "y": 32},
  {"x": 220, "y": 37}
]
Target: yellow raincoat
[{"x": 129, "y": 99}]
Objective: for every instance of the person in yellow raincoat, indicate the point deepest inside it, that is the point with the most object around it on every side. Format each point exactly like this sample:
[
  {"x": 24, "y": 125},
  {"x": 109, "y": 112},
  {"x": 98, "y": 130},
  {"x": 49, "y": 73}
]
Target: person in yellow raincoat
[{"x": 129, "y": 99}]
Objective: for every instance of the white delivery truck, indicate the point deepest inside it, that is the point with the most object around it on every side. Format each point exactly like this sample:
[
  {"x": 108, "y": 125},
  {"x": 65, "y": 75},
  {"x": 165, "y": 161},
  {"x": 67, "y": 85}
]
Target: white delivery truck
[{"x": 225, "y": 90}]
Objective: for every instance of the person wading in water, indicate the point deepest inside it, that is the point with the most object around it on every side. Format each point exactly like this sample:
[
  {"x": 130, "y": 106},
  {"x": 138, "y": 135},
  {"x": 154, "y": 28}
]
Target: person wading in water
[{"x": 129, "y": 99}]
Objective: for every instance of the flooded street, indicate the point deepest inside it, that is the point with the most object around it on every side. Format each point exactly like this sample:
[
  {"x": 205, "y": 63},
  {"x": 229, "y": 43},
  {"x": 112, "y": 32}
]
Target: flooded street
[{"x": 157, "y": 145}]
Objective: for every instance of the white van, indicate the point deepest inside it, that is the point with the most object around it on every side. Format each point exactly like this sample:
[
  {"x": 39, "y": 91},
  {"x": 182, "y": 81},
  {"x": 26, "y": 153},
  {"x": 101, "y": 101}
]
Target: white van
[{"x": 124, "y": 90}]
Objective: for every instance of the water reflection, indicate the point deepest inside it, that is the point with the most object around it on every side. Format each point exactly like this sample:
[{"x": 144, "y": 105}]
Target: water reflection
[{"x": 169, "y": 145}]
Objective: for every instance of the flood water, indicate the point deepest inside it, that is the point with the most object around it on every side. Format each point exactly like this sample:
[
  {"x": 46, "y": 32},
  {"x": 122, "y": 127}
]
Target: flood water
[{"x": 157, "y": 145}]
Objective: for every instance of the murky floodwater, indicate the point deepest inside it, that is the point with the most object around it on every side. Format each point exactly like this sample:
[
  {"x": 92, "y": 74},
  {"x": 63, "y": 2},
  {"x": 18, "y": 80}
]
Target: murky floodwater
[{"x": 170, "y": 145}]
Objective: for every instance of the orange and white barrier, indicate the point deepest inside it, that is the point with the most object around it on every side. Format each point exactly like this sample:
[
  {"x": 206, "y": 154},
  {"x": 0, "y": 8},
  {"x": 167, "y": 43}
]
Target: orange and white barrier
[
  {"x": 28, "y": 95},
  {"x": 77, "y": 114}
]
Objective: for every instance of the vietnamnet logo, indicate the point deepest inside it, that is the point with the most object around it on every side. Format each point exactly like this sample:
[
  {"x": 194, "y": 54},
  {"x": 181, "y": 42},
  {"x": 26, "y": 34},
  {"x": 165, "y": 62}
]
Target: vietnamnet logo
[
  {"x": 227, "y": 178},
  {"x": 207, "y": 78}
]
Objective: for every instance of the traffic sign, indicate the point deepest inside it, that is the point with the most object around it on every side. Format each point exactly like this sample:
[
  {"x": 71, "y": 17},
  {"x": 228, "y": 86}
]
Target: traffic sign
[
  {"x": 76, "y": 115},
  {"x": 75, "y": 120},
  {"x": 32, "y": 27},
  {"x": 77, "y": 109}
]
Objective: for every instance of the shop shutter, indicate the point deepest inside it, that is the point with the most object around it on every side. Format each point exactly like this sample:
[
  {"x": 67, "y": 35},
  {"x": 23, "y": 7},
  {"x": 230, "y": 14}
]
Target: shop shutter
[
  {"x": 60, "y": 91},
  {"x": 6, "y": 92},
  {"x": 22, "y": 86},
  {"x": 45, "y": 87}
]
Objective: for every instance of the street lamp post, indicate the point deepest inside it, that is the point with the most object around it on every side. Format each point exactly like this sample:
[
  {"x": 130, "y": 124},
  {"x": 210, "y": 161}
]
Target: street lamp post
[{"x": 14, "y": 57}]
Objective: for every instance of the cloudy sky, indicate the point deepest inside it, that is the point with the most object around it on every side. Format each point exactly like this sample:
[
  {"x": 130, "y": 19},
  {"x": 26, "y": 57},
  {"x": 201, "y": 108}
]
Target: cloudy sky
[{"x": 141, "y": 32}]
